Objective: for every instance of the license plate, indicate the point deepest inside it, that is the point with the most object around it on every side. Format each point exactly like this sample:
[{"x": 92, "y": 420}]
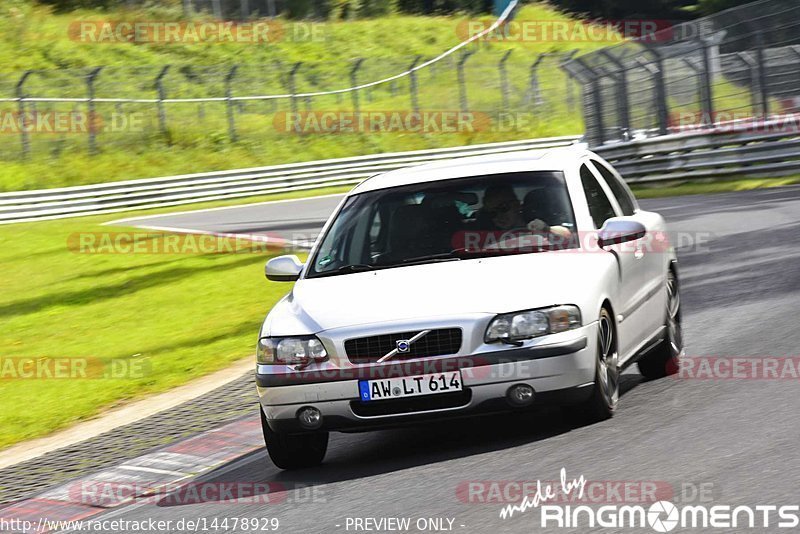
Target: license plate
[{"x": 409, "y": 386}]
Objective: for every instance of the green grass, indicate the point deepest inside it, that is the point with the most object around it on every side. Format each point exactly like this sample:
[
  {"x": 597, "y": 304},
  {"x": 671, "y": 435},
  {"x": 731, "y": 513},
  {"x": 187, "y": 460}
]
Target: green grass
[
  {"x": 710, "y": 187},
  {"x": 197, "y": 136}
]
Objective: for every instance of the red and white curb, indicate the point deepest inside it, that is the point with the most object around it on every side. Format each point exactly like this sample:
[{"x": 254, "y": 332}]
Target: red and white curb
[{"x": 172, "y": 467}]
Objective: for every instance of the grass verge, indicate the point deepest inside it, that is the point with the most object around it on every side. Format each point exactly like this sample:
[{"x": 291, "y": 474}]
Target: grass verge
[
  {"x": 710, "y": 187},
  {"x": 159, "y": 320}
]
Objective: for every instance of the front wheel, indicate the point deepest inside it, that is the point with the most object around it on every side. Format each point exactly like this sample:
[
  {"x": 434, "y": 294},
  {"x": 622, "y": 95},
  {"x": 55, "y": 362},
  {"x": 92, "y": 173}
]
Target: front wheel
[
  {"x": 605, "y": 393},
  {"x": 664, "y": 359},
  {"x": 294, "y": 451}
]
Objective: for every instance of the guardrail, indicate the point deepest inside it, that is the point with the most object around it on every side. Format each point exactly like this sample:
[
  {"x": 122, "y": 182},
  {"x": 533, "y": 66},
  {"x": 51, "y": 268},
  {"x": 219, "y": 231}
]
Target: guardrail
[
  {"x": 20, "y": 206},
  {"x": 753, "y": 150}
]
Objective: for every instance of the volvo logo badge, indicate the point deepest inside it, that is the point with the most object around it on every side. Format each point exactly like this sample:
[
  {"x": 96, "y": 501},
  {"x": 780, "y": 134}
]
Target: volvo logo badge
[{"x": 403, "y": 345}]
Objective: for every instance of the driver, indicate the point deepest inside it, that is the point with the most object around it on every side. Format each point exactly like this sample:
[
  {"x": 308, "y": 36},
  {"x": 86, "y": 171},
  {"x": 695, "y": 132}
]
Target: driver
[
  {"x": 502, "y": 208},
  {"x": 544, "y": 211},
  {"x": 505, "y": 212}
]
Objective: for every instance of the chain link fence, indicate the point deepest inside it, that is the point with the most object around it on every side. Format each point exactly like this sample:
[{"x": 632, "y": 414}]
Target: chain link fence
[
  {"x": 736, "y": 69},
  {"x": 53, "y": 112}
]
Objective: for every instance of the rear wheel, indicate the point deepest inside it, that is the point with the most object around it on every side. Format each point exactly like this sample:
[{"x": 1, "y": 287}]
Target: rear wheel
[
  {"x": 294, "y": 451},
  {"x": 664, "y": 359},
  {"x": 605, "y": 394}
]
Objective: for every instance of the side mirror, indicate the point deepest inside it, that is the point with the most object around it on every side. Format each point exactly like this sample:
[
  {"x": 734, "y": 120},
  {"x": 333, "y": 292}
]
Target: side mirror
[
  {"x": 283, "y": 268},
  {"x": 620, "y": 230}
]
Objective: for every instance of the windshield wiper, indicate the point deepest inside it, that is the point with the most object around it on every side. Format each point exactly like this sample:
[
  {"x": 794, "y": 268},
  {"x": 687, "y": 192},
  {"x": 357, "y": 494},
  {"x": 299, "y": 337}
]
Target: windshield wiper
[
  {"x": 355, "y": 268},
  {"x": 345, "y": 269},
  {"x": 431, "y": 258},
  {"x": 453, "y": 255}
]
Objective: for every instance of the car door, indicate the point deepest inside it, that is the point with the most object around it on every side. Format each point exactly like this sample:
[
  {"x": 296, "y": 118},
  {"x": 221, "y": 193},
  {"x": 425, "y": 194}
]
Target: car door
[
  {"x": 603, "y": 206},
  {"x": 652, "y": 250}
]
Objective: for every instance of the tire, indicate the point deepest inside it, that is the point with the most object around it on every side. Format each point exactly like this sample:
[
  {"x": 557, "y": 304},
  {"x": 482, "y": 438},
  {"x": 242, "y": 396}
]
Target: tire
[
  {"x": 664, "y": 359},
  {"x": 605, "y": 394},
  {"x": 294, "y": 451}
]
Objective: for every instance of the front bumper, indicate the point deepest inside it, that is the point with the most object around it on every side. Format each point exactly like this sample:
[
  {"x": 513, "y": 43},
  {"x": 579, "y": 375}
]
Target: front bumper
[{"x": 560, "y": 370}]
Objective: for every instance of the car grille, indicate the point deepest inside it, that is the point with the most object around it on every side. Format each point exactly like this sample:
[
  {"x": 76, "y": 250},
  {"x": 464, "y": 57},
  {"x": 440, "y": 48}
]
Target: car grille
[{"x": 441, "y": 342}]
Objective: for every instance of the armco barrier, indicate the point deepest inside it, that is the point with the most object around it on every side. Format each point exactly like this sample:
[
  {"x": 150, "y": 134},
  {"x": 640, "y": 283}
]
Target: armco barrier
[
  {"x": 19, "y": 206},
  {"x": 709, "y": 154},
  {"x": 712, "y": 154}
]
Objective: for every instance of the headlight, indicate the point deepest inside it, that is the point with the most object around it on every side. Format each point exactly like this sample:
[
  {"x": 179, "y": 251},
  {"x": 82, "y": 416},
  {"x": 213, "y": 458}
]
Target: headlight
[
  {"x": 290, "y": 350},
  {"x": 514, "y": 327}
]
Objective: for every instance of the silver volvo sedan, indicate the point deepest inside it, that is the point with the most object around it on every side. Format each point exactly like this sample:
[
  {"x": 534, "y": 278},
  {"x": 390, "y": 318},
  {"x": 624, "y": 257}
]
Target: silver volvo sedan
[{"x": 477, "y": 285}]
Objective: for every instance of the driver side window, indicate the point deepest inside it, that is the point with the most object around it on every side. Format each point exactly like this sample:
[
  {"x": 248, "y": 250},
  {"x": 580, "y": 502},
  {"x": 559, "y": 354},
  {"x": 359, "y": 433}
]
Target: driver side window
[{"x": 600, "y": 206}]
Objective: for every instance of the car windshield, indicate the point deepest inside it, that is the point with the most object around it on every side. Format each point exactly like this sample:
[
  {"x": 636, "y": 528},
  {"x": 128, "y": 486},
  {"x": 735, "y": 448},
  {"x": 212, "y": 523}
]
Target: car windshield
[{"x": 448, "y": 220}]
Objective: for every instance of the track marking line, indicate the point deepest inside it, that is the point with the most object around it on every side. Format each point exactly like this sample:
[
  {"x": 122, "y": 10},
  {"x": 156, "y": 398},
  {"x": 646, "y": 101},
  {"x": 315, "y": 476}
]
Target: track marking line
[
  {"x": 277, "y": 241},
  {"x": 220, "y": 208},
  {"x": 151, "y": 470}
]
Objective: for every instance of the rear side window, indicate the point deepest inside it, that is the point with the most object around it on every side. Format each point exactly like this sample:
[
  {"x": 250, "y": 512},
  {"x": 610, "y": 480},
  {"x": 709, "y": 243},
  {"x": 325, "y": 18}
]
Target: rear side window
[
  {"x": 599, "y": 205},
  {"x": 617, "y": 187}
]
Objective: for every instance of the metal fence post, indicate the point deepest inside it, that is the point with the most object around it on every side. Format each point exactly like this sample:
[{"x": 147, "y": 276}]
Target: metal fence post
[
  {"x": 413, "y": 84},
  {"x": 292, "y": 87},
  {"x": 761, "y": 70},
  {"x": 354, "y": 83},
  {"x": 215, "y": 4},
  {"x": 229, "y": 103},
  {"x": 662, "y": 107},
  {"x": 752, "y": 78},
  {"x": 796, "y": 50},
  {"x": 657, "y": 73},
  {"x": 504, "y": 91},
  {"x": 536, "y": 92},
  {"x": 569, "y": 85},
  {"x": 598, "y": 136},
  {"x": 92, "y": 123},
  {"x": 23, "y": 123},
  {"x": 698, "y": 74},
  {"x": 706, "y": 96},
  {"x": 597, "y": 102},
  {"x": 621, "y": 90},
  {"x": 162, "y": 112},
  {"x": 462, "y": 85}
]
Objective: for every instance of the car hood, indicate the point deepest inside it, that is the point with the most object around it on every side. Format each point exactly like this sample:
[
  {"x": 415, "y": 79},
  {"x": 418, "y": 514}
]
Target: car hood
[{"x": 486, "y": 285}]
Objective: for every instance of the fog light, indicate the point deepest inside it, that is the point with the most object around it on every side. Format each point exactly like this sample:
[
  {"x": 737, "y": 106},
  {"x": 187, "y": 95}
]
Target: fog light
[
  {"x": 309, "y": 417},
  {"x": 520, "y": 395}
]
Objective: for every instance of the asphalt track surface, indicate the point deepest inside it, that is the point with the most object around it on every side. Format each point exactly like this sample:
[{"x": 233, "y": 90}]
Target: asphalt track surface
[{"x": 737, "y": 438}]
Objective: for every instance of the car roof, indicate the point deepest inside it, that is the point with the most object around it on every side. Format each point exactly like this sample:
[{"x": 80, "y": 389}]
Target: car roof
[{"x": 550, "y": 159}]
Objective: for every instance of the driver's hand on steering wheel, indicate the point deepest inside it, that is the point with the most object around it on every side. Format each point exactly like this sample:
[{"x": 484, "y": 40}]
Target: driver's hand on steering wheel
[{"x": 538, "y": 225}]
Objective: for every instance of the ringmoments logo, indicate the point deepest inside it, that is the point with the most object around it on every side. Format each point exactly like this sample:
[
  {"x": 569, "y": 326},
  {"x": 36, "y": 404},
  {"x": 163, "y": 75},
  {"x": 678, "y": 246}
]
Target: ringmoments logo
[{"x": 660, "y": 516}]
